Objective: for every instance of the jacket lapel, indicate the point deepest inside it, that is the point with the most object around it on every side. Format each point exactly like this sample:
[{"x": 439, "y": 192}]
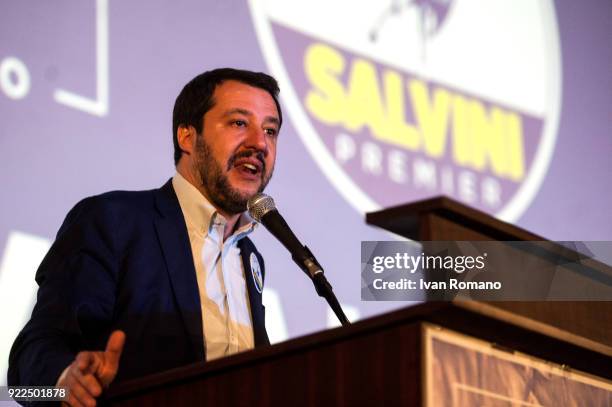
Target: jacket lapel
[
  {"x": 247, "y": 248},
  {"x": 174, "y": 241}
]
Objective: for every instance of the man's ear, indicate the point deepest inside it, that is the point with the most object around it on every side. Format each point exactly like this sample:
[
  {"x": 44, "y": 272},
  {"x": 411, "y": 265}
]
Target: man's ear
[{"x": 186, "y": 137}]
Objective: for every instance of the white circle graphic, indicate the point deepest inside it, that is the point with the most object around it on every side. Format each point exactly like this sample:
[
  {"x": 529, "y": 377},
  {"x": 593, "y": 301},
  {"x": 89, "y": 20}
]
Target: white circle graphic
[{"x": 505, "y": 52}]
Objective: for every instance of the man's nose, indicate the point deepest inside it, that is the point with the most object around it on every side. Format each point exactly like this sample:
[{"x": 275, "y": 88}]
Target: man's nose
[{"x": 257, "y": 140}]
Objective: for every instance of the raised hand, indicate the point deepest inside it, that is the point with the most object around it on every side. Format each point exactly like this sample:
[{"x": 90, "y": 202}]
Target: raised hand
[{"x": 92, "y": 372}]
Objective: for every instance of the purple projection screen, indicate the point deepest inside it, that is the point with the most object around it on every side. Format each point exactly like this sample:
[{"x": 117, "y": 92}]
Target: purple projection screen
[{"x": 505, "y": 106}]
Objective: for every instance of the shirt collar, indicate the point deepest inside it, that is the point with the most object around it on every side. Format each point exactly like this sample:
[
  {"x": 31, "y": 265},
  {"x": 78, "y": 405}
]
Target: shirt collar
[{"x": 202, "y": 215}]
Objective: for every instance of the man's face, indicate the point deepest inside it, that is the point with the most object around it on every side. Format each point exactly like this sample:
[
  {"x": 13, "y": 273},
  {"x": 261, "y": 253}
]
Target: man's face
[{"x": 235, "y": 154}]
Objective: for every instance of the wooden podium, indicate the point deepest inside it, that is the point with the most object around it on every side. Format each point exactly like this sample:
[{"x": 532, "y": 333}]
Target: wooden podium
[{"x": 406, "y": 357}]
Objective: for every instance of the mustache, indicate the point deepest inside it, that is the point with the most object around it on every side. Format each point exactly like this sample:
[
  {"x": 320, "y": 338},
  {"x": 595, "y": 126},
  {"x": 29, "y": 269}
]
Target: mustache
[{"x": 245, "y": 154}]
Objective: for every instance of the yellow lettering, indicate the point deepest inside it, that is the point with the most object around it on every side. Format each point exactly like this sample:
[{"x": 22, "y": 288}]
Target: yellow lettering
[
  {"x": 397, "y": 131},
  {"x": 327, "y": 100},
  {"x": 482, "y": 138},
  {"x": 431, "y": 118},
  {"x": 364, "y": 104},
  {"x": 488, "y": 142}
]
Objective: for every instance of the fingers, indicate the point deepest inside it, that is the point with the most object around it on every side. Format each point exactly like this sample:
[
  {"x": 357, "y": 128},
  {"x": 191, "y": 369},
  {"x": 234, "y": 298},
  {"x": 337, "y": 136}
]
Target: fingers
[
  {"x": 83, "y": 388},
  {"x": 80, "y": 396},
  {"x": 91, "y": 372},
  {"x": 90, "y": 383},
  {"x": 114, "y": 346},
  {"x": 89, "y": 362},
  {"x": 107, "y": 371},
  {"x": 72, "y": 402}
]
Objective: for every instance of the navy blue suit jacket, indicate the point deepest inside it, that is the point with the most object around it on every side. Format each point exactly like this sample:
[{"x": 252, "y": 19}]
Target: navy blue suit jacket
[{"x": 121, "y": 260}]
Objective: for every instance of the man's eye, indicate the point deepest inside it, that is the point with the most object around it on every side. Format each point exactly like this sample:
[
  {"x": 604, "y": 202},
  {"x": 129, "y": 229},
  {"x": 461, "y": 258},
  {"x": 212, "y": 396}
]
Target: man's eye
[
  {"x": 239, "y": 123},
  {"x": 271, "y": 132}
]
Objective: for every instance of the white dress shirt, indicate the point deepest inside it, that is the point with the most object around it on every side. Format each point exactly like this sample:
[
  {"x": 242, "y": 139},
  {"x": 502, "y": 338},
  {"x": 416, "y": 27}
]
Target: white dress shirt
[{"x": 226, "y": 314}]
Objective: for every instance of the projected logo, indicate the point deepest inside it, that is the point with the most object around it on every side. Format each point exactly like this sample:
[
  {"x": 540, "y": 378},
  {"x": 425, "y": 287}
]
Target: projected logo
[{"x": 401, "y": 100}]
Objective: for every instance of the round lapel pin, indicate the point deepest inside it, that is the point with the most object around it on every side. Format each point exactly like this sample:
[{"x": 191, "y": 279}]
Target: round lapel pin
[{"x": 256, "y": 272}]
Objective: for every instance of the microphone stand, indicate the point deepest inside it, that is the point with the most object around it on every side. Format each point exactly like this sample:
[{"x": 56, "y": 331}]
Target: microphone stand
[
  {"x": 313, "y": 269},
  {"x": 262, "y": 209}
]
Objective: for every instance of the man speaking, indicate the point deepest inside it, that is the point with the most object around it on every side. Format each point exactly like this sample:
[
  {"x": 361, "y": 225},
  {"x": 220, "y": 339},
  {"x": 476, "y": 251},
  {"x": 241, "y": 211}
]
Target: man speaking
[{"x": 141, "y": 282}]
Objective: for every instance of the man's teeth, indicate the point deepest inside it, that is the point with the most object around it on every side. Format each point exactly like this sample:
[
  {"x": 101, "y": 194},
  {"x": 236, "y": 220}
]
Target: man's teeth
[{"x": 250, "y": 167}]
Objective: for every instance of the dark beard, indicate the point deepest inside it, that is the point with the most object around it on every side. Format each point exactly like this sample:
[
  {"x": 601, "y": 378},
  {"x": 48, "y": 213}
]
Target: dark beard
[{"x": 215, "y": 182}]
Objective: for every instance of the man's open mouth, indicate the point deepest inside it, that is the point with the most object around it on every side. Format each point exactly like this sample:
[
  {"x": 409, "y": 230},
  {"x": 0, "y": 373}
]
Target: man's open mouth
[
  {"x": 249, "y": 165},
  {"x": 251, "y": 168}
]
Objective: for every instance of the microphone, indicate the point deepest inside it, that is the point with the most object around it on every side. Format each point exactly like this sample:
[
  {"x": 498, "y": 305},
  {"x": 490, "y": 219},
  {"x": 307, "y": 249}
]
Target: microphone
[{"x": 262, "y": 209}]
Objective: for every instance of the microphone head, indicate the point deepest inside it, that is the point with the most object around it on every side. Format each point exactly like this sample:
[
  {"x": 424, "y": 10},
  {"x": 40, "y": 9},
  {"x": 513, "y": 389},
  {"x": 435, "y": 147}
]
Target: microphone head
[{"x": 259, "y": 205}]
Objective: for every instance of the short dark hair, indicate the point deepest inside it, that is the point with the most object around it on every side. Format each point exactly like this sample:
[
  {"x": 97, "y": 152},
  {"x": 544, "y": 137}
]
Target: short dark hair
[{"x": 196, "y": 98}]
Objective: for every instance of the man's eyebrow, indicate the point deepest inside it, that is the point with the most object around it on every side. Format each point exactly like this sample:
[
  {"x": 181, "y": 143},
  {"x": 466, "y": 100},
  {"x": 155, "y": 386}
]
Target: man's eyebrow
[
  {"x": 272, "y": 119},
  {"x": 238, "y": 110},
  {"x": 267, "y": 119}
]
